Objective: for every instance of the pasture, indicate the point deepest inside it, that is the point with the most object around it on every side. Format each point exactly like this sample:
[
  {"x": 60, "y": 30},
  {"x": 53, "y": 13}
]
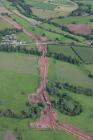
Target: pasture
[
  {"x": 83, "y": 121},
  {"x": 85, "y": 53},
  {"x": 65, "y": 72},
  {"x": 46, "y": 135},
  {"x": 4, "y": 25},
  {"x": 48, "y": 9},
  {"x": 74, "y": 19},
  {"x": 17, "y": 77},
  {"x": 66, "y": 50}
]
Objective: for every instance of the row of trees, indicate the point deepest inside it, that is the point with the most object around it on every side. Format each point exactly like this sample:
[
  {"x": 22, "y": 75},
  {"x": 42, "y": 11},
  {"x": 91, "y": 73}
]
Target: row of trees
[
  {"x": 31, "y": 111},
  {"x": 63, "y": 102},
  {"x": 61, "y": 56},
  {"x": 20, "y": 49},
  {"x": 9, "y": 31},
  {"x": 84, "y": 9},
  {"x": 72, "y": 88},
  {"x": 65, "y": 35},
  {"x": 22, "y": 7}
]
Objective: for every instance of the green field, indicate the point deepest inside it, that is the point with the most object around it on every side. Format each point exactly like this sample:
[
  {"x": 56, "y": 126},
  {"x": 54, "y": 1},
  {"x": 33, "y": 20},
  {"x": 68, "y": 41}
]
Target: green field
[
  {"x": 20, "y": 75},
  {"x": 49, "y": 5},
  {"x": 66, "y": 50},
  {"x": 17, "y": 76},
  {"x": 47, "y": 135},
  {"x": 48, "y": 9},
  {"x": 85, "y": 119},
  {"x": 37, "y": 30},
  {"x": 75, "y": 19},
  {"x": 4, "y": 25},
  {"x": 85, "y": 53},
  {"x": 65, "y": 72}
]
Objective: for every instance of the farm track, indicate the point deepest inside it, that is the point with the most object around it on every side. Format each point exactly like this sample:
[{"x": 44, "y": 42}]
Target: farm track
[
  {"x": 9, "y": 136},
  {"x": 48, "y": 119}
]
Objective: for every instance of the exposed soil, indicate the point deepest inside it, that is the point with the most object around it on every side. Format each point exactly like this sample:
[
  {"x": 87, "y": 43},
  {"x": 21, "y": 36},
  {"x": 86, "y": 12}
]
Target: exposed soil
[
  {"x": 82, "y": 29},
  {"x": 9, "y": 136}
]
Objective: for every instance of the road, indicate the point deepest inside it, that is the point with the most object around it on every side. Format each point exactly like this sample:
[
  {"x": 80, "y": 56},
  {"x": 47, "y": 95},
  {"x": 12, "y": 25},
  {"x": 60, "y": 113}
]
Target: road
[{"x": 48, "y": 117}]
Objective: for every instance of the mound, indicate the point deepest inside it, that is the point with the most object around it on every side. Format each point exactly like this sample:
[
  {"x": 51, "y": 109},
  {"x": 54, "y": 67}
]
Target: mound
[{"x": 82, "y": 29}]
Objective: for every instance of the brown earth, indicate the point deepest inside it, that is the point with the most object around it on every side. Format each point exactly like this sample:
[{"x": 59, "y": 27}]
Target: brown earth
[
  {"x": 9, "y": 136},
  {"x": 82, "y": 29}
]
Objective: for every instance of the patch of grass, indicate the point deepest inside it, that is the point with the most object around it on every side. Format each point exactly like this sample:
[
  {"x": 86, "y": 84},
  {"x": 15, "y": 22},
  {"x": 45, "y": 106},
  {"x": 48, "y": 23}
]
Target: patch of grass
[
  {"x": 65, "y": 72},
  {"x": 47, "y": 135},
  {"x": 83, "y": 121},
  {"x": 4, "y": 25},
  {"x": 18, "y": 74},
  {"x": 66, "y": 50},
  {"x": 28, "y": 40},
  {"x": 85, "y": 53},
  {"x": 74, "y": 19}
]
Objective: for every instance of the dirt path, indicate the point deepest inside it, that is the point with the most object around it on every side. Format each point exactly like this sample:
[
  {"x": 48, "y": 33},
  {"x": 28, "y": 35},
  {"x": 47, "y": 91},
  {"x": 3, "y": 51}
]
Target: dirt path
[
  {"x": 9, "y": 136},
  {"x": 48, "y": 117}
]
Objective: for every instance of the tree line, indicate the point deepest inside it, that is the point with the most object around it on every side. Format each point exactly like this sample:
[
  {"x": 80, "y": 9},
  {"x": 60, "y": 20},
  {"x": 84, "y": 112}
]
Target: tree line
[
  {"x": 72, "y": 88},
  {"x": 19, "y": 49},
  {"x": 9, "y": 31},
  {"x": 22, "y": 7},
  {"x": 31, "y": 111},
  {"x": 83, "y": 9},
  {"x": 61, "y": 56}
]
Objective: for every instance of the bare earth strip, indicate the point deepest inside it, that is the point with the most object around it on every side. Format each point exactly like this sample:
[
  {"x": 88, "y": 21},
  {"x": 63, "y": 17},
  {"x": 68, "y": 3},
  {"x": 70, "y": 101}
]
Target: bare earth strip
[
  {"x": 9, "y": 136},
  {"x": 48, "y": 117}
]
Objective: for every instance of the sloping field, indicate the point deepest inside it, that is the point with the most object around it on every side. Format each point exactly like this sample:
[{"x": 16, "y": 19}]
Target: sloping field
[
  {"x": 65, "y": 72},
  {"x": 81, "y": 29},
  {"x": 85, "y": 53},
  {"x": 4, "y": 25},
  {"x": 17, "y": 77},
  {"x": 66, "y": 50},
  {"x": 47, "y": 135},
  {"x": 71, "y": 20},
  {"x": 83, "y": 121},
  {"x": 48, "y": 9}
]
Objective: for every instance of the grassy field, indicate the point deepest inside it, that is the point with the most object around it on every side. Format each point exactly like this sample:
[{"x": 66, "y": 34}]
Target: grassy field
[
  {"x": 4, "y": 25},
  {"x": 85, "y": 53},
  {"x": 28, "y": 134},
  {"x": 39, "y": 31},
  {"x": 66, "y": 50},
  {"x": 51, "y": 8},
  {"x": 85, "y": 119},
  {"x": 78, "y": 19},
  {"x": 17, "y": 76},
  {"x": 47, "y": 135},
  {"x": 65, "y": 72}
]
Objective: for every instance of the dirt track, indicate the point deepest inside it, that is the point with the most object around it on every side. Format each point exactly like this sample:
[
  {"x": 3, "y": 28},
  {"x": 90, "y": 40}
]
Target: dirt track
[
  {"x": 9, "y": 136},
  {"x": 48, "y": 118}
]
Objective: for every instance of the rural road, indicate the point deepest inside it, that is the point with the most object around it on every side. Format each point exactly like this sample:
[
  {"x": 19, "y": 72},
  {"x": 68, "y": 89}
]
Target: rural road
[{"x": 48, "y": 118}]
